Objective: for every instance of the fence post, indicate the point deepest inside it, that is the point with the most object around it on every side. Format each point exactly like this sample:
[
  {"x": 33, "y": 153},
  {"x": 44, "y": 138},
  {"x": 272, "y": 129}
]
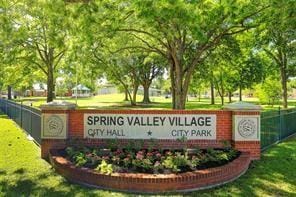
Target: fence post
[
  {"x": 21, "y": 112},
  {"x": 280, "y": 122},
  {"x": 31, "y": 130},
  {"x": 6, "y": 108}
]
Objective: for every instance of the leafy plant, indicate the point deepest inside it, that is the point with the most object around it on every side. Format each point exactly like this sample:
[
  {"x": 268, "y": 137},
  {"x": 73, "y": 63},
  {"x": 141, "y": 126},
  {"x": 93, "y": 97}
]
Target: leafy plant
[
  {"x": 80, "y": 159},
  {"x": 195, "y": 161},
  {"x": 169, "y": 164},
  {"x": 71, "y": 152},
  {"x": 144, "y": 165},
  {"x": 105, "y": 168},
  {"x": 232, "y": 153}
]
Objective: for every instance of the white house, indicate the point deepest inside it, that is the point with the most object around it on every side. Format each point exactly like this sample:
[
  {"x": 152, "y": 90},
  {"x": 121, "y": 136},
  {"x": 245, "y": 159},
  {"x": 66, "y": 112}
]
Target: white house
[{"x": 107, "y": 89}]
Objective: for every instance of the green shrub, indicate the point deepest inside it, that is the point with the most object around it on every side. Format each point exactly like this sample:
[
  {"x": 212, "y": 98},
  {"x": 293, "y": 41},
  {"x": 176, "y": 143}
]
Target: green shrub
[
  {"x": 80, "y": 159},
  {"x": 269, "y": 92},
  {"x": 169, "y": 164},
  {"x": 105, "y": 168},
  {"x": 175, "y": 163}
]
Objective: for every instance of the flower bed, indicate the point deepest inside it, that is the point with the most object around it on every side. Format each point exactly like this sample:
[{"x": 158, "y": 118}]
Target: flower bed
[
  {"x": 150, "y": 183},
  {"x": 108, "y": 161}
]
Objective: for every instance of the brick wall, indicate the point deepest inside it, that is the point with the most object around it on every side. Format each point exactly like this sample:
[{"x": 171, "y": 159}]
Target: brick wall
[{"x": 223, "y": 131}]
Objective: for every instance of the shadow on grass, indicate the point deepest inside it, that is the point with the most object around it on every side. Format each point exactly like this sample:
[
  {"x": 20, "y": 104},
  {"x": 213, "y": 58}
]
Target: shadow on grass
[
  {"x": 20, "y": 183},
  {"x": 273, "y": 175},
  {"x": 19, "y": 171},
  {"x": 27, "y": 187}
]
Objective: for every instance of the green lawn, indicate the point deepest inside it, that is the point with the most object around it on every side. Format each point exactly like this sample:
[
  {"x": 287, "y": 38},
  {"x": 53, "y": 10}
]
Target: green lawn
[
  {"x": 24, "y": 173},
  {"x": 116, "y": 101}
]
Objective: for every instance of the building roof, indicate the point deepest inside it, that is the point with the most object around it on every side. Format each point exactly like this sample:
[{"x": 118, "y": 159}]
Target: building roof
[{"x": 80, "y": 87}]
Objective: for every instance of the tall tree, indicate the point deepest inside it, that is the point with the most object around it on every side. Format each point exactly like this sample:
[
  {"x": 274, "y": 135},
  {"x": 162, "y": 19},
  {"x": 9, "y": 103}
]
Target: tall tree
[
  {"x": 278, "y": 39},
  {"x": 184, "y": 32},
  {"x": 39, "y": 33}
]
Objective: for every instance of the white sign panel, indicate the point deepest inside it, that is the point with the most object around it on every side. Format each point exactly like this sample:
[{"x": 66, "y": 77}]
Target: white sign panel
[
  {"x": 147, "y": 126},
  {"x": 54, "y": 126},
  {"x": 246, "y": 128}
]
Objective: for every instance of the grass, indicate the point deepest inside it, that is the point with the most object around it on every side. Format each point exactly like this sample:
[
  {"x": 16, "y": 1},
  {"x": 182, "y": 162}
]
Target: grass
[
  {"x": 116, "y": 101},
  {"x": 24, "y": 173}
]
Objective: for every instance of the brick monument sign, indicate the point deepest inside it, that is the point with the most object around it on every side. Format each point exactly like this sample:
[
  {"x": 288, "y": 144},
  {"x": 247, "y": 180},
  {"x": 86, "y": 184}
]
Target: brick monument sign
[{"x": 237, "y": 124}]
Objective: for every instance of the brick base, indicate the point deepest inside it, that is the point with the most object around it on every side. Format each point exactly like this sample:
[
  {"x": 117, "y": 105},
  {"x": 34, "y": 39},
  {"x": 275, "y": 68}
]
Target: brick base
[
  {"x": 253, "y": 147},
  {"x": 47, "y": 145},
  {"x": 151, "y": 183}
]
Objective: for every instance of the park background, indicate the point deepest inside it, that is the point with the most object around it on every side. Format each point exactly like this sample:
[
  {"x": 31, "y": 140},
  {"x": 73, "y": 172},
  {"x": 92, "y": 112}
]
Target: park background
[{"x": 190, "y": 54}]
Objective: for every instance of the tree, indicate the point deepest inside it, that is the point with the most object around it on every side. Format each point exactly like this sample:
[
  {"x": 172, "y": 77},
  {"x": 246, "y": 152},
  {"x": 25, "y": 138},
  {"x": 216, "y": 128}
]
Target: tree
[
  {"x": 250, "y": 71},
  {"x": 225, "y": 80},
  {"x": 278, "y": 39},
  {"x": 152, "y": 67},
  {"x": 122, "y": 70},
  {"x": 199, "y": 82},
  {"x": 269, "y": 91},
  {"x": 185, "y": 32},
  {"x": 39, "y": 32}
]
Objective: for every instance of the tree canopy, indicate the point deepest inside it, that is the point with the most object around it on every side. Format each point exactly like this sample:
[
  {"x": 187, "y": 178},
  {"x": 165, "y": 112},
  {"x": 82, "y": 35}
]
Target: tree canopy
[{"x": 228, "y": 45}]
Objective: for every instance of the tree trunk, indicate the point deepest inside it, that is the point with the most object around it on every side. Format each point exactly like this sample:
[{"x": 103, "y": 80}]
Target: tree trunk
[
  {"x": 222, "y": 93},
  {"x": 212, "y": 93},
  {"x": 284, "y": 87},
  {"x": 50, "y": 85},
  {"x": 180, "y": 100},
  {"x": 173, "y": 88},
  {"x": 135, "y": 90},
  {"x": 199, "y": 96},
  {"x": 240, "y": 92},
  {"x": 9, "y": 92},
  {"x": 131, "y": 99},
  {"x": 54, "y": 90},
  {"x": 180, "y": 92},
  {"x": 146, "y": 98},
  {"x": 229, "y": 97},
  {"x": 126, "y": 95}
]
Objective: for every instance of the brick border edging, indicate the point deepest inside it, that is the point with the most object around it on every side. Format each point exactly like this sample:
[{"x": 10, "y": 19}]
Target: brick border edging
[{"x": 151, "y": 183}]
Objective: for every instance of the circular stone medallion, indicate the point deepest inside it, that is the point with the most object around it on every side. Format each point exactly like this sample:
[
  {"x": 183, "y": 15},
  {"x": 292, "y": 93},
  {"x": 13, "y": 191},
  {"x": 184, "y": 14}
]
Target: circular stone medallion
[
  {"x": 246, "y": 128},
  {"x": 55, "y": 125}
]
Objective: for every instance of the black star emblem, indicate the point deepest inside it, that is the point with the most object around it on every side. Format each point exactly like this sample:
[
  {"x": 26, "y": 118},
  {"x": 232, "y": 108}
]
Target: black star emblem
[{"x": 149, "y": 133}]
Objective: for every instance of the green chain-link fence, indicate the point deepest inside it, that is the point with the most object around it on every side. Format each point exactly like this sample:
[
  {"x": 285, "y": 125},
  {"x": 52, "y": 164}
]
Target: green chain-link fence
[{"x": 276, "y": 125}]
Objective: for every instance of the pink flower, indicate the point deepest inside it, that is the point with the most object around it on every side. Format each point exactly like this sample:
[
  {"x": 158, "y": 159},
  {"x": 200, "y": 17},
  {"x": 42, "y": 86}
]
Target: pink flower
[
  {"x": 158, "y": 155},
  {"x": 149, "y": 154},
  {"x": 139, "y": 156}
]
